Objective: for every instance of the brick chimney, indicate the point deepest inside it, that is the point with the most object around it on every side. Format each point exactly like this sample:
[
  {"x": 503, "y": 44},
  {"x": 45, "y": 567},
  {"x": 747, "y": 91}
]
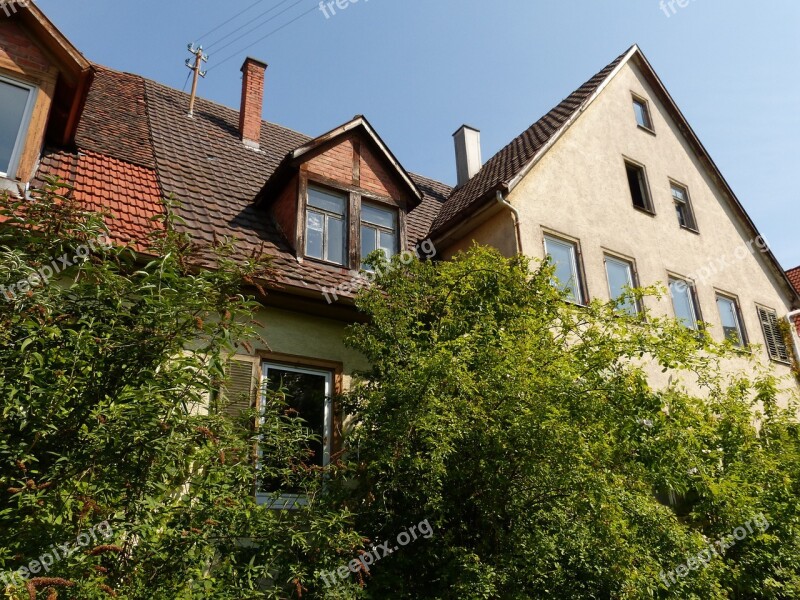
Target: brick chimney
[{"x": 252, "y": 102}]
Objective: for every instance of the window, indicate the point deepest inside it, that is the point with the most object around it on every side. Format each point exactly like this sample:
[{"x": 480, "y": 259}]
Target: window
[
  {"x": 637, "y": 181},
  {"x": 683, "y": 207},
  {"x": 325, "y": 225},
  {"x": 308, "y": 396},
  {"x": 17, "y": 102},
  {"x": 684, "y": 302},
  {"x": 642, "y": 111},
  {"x": 620, "y": 280},
  {"x": 564, "y": 256},
  {"x": 730, "y": 317},
  {"x": 378, "y": 231},
  {"x": 776, "y": 345}
]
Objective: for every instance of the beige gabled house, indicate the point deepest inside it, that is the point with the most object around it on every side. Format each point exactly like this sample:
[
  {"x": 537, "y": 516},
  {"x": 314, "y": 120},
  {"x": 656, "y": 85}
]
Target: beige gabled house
[{"x": 615, "y": 186}]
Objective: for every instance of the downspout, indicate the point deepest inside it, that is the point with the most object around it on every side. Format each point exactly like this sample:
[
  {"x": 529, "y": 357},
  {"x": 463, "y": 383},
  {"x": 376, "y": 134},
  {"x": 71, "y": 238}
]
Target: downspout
[
  {"x": 515, "y": 213},
  {"x": 790, "y": 318}
]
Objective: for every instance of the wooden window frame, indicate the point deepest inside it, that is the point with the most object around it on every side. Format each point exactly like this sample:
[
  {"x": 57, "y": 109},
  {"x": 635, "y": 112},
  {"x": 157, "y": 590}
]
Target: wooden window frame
[
  {"x": 649, "y": 207},
  {"x": 577, "y": 263},
  {"x": 676, "y": 185},
  {"x": 637, "y": 99},
  {"x": 23, "y": 133},
  {"x": 345, "y": 217},
  {"x": 744, "y": 340}
]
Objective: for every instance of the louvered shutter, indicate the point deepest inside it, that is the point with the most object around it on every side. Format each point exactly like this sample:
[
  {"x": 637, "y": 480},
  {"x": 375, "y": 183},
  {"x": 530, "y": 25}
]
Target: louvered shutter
[
  {"x": 240, "y": 390},
  {"x": 776, "y": 346}
]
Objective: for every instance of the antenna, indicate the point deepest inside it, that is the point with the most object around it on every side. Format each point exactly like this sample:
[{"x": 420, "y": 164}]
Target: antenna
[{"x": 199, "y": 59}]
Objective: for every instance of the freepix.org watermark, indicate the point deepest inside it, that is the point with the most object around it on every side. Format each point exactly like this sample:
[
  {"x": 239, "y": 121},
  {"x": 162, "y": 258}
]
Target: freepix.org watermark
[
  {"x": 364, "y": 279},
  {"x": 55, "y": 267},
  {"x": 57, "y": 552},
  {"x": 9, "y": 7},
  {"x": 718, "y": 548},
  {"x": 328, "y": 7},
  {"x": 670, "y": 7},
  {"x": 376, "y": 553}
]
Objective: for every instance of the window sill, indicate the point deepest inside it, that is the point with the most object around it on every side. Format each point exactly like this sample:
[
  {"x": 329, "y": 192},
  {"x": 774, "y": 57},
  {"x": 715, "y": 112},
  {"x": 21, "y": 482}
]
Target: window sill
[
  {"x": 690, "y": 229},
  {"x": 647, "y": 129},
  {"x": 327, "y": 263},
  {"x": 646, "y": 211}
]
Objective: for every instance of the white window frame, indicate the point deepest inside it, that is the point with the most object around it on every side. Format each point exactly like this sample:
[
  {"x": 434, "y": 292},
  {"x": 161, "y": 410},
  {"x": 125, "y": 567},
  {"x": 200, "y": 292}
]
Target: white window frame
[
  {"x": 694, "y": 302},
  {"x": 326, "y": 215},
  {"x": 581, "y": 297},
  {"x": 19, "y": 144},
  {"x": 629, "y": 264},
  {"x": 637, "y": 99},
  {"x": 296, "y": 501},
  {"x": 377, "y": 229},
  {"x": 737, "y": 313}
]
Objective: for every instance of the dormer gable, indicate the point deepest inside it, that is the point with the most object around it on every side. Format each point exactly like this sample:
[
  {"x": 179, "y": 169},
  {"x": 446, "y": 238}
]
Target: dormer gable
[
  {"x": 43, "y": 85},
  {"x": 341, "y": 196}
]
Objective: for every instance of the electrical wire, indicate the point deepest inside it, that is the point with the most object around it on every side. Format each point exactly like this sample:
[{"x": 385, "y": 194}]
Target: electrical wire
[
  {"x": 271, "y": 33},
  {"x": 248, "y": 23},
  {"x": 221, "y": 25},
  {"x": 258, "y": 26}
]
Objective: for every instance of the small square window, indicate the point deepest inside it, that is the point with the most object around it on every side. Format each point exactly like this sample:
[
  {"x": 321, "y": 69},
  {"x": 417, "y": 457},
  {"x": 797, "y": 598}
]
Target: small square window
[
  {"x": 564, "y": 256},
  {"x": 642, "y": 111},
  {"x": 683, "y": 207},
  {"x": 637, "y": 182},
  {"x": 684, "y": 302},
  {"x": 731, "y": 319}
]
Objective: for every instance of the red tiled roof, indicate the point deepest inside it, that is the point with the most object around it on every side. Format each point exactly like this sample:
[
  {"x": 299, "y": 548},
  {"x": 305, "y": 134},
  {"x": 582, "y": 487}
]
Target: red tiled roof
[
  {"x": 511, "y": 160},
  {"x": 794, "y": 278},
  {"x": 128, "y": 192}
]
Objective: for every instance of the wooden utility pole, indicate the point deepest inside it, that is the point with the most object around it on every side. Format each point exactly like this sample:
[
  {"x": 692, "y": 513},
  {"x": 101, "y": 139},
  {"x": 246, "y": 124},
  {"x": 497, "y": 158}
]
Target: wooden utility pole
[{"x": 199, "y": 59}]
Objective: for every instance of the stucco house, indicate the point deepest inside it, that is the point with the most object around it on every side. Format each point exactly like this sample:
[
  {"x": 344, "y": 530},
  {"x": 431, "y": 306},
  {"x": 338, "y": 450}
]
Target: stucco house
[{"x": 612, "y": 183}]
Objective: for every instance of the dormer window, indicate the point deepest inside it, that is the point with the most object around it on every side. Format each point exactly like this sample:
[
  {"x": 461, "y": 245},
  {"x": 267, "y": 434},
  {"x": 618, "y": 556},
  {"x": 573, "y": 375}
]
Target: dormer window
[
  {"x": 378, "y": 231},
  {"x": 326, "y": 217},
  {"x": 16, "y": 98}
]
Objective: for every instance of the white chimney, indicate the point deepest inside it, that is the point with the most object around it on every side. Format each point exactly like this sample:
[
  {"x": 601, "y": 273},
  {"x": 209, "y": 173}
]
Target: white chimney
[{"x": 468, "y": 153}]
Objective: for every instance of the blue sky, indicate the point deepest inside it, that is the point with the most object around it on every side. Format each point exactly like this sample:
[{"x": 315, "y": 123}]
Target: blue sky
[{"x": 420, "y": 68}]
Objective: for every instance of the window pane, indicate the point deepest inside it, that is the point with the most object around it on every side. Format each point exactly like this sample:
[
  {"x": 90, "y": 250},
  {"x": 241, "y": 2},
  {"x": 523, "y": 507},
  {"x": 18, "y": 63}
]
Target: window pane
[
  {"x": 378, "y": 216},
  {"x": 681, "y": 210},
  {"x": 369, "y": 241},
  {"x": 563, "y": 256},
  {"x": 13, "y": 100},
  {"x": 729, "y": 316},
  {"x": 620, "y": 277},
  {"x": 642, "y": 116},
  {"x": 636, "y": 182},
  {"x": 334, "y": 203},
  {"x": 679, "y": 194},
  {"x": 306, "y": 395},
  {"x": 315, "y": 227},
  {"x": 336, "y": 240},
  {"x": 683, "y": 303},
  {"x": 388, "y": 243}
]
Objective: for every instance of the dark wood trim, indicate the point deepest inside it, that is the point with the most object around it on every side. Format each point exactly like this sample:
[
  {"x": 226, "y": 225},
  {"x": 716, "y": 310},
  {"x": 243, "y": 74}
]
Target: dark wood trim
[
  {"x": 356, "y": 163},
  {"x": 302, "y": 195},
  {"x": 354, "y": 249}
]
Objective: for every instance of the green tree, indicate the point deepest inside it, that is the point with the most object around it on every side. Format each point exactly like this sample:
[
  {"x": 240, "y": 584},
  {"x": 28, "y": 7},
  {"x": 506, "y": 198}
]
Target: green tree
[
  {"x": 526, "y": 430},
  {"x": 101, "y": 423}
]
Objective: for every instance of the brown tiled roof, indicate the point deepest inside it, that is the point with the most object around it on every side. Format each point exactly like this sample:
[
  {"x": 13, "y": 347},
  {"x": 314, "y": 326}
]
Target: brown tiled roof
[
  {"x": 794, "y": 278},
  {"x": 136, "y": 145},
  {"x": 511, "y": 160}
]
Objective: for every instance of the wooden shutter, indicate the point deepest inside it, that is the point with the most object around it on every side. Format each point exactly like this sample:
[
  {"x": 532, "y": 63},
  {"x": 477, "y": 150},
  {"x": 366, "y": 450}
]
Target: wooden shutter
[
  {"x": 776, "y": 346},
  {"x": 239, "y": 393}
]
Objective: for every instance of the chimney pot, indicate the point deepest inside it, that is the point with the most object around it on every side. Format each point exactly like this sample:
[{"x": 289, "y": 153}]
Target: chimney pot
[
  {"x": 252, "y": 102},
  {"x": 468, "y": 153}
]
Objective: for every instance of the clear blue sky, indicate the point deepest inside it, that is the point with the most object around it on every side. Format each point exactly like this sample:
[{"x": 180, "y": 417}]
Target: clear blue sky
[{"x": 420, "y": 68}]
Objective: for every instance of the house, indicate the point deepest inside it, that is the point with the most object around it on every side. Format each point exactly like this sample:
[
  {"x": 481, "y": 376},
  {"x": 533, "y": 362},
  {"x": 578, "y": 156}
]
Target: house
[
  {"x": 794, "y": 278},
  {"x": 613, "y": 184}
]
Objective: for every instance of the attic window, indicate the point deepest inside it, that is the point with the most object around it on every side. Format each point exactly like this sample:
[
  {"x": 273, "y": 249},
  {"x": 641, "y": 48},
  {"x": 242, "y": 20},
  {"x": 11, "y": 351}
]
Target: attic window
[
  {"x": 637, "y": 181},
  {"x": 326, "y": 217},
  {"x": 378, "y": 231},
  {"x": 642, "y": 111},
  {"x": 683, "y": 207},
  {"x": 16, "y": 98}
]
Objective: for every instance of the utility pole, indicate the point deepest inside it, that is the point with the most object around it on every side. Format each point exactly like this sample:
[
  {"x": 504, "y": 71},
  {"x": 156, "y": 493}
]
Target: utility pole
[{"x": 199, "y": 59}]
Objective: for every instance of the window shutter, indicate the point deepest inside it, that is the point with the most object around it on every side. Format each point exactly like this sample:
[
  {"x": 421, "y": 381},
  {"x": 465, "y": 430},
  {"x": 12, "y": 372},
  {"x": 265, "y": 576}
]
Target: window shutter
[
  {"x": 240, "y": 390},
  {"x": 776, "y": 346}
]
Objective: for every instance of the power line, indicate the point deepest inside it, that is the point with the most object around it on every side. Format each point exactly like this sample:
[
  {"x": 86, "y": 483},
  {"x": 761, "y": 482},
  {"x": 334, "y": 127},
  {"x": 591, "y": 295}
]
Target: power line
[
  {"x": 221, "y": 25},
  {"x": 261, "y": 39},
  {"x": 256, "y": 19},
  {"x": 256, "y": 27}
]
